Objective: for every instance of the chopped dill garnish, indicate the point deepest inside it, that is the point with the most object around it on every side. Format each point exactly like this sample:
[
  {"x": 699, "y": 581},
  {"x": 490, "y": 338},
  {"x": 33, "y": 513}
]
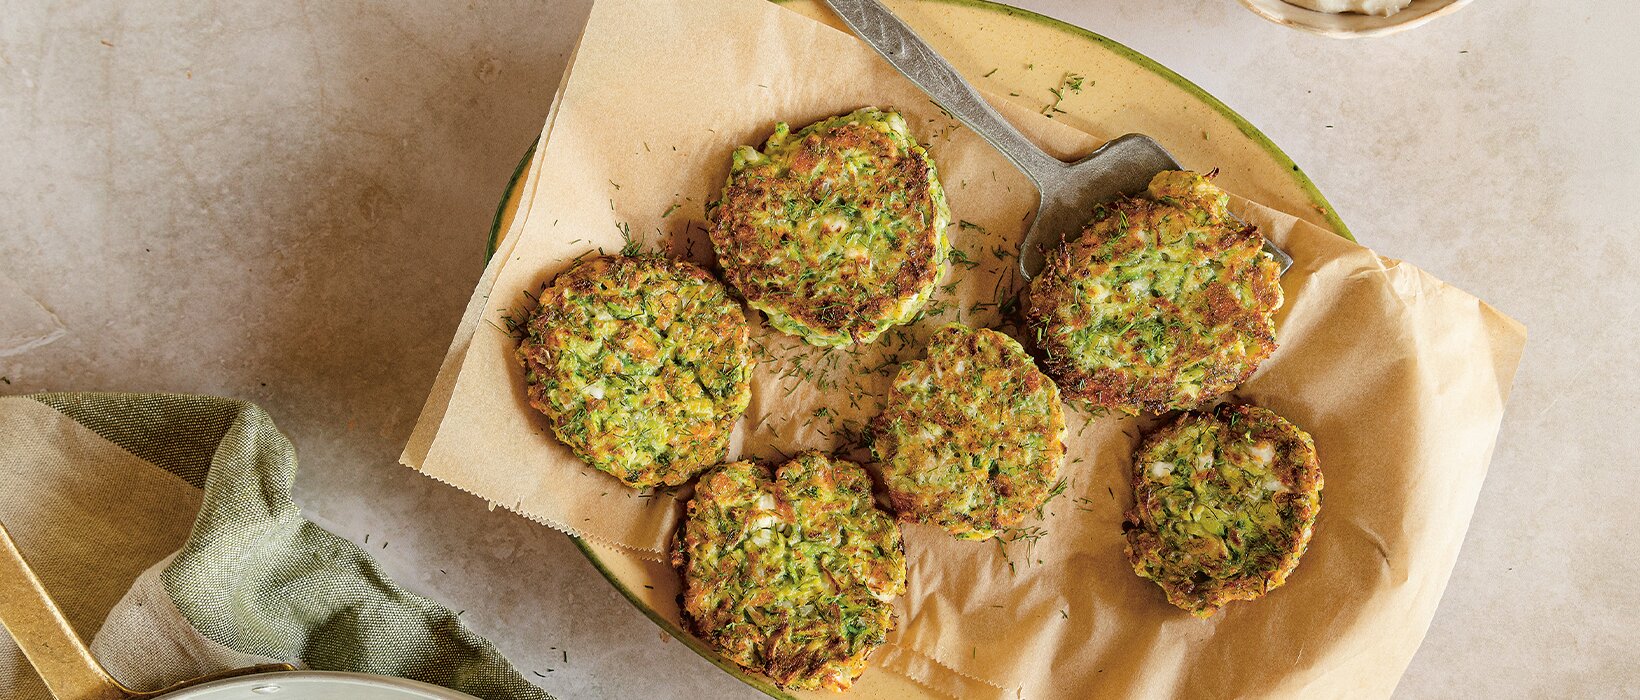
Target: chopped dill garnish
[
  {"x": 669, "y": 210},
  {"x": 933, "y": 309},
  {"x": 630, "y": 246},
  {"x": 1029, "y": 535},
  {"x": 1058, "y": 488},
  {"x": 1071, "y": 82},
  {"x": 515, "y": 321},
  {"x": 1003, "y": 548},
  {"x": 942, "y": 109}
]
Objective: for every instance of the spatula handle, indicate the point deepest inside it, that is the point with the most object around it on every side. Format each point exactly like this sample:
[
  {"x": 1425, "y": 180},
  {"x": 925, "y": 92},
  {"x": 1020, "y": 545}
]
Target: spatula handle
[
  {"x": 43, "y": 633},
  {"x": 910, "y": 55}
]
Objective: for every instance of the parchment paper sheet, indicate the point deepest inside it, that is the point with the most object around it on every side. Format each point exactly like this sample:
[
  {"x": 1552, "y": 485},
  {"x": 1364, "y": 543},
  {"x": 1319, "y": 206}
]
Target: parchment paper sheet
[{"x": 1400, "y": 378}]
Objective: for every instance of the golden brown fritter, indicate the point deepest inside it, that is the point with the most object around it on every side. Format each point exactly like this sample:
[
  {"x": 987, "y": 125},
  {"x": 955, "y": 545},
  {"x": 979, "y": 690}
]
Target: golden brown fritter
[
  {"x": 970, "y": 438},
  {"x": 790, "y": 576},
  {"x": 1165, "y": 301},
  {"x": 642, "y": 365},
  {"x": 1224, "y": 506},
  {"x": 837, "y": 232}
]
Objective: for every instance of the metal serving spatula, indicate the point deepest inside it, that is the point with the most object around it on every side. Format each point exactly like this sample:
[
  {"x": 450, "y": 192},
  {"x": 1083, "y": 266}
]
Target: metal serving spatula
[{"x": 1069, "y": 191}]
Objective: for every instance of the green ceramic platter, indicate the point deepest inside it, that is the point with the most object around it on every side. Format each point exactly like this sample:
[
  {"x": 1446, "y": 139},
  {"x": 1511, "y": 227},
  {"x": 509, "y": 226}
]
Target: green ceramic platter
[{"x": 1005, "y": 50}]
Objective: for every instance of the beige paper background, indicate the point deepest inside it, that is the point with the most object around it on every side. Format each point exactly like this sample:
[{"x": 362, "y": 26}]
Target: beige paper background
[{"x": 1400, "y": 378}]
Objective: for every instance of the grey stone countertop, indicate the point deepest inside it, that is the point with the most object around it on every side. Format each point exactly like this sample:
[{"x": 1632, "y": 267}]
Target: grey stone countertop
[{"x": 286, "y": 202}]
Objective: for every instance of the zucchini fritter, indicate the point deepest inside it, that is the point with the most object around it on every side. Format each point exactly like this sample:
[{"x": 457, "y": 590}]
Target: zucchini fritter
[
  {"x": 837, "y": 232},
  {"x": 642, "y": 366},
  {"x": 791, "y": 576},
  {"x": 972, "y": 437},
  {"x": 1224, "y": 505},
  {"x": 1165, "y": 301}
]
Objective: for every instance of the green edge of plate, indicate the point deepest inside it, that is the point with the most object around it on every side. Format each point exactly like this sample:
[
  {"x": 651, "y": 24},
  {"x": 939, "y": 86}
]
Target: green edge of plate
[
  {"x": 501, "y": 209},
  {"x": 1247, "y": 129},
  {"x": 689, "y": 640}
]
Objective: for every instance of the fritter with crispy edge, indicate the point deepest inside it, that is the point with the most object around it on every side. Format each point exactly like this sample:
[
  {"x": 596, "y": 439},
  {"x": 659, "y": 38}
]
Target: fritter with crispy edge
[
  {"x": 972, "y": 437},
  {"x": 1165, "y": 302},
  {"x": 790, "y": 576},
  {"x": 837, "y": 232},
  {"x": 641, "y": 364},
  {"x": 1224, "y": 504}
]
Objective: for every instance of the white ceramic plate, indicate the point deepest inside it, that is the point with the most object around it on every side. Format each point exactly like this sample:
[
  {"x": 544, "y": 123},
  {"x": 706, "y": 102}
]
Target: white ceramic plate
[
  {"x": 1350, "y": 25},
  {"x": 316, "y": 685}
]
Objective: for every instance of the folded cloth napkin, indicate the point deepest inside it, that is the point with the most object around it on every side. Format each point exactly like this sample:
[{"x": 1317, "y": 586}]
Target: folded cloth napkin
[{"x": 163, "y": 526}]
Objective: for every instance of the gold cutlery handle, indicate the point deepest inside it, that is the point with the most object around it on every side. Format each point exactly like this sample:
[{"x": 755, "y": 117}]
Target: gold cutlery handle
[{"x": 44, "y": 635}]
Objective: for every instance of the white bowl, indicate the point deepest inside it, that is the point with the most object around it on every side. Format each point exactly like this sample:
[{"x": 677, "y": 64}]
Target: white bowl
[{"x": 1350, "y": 25}]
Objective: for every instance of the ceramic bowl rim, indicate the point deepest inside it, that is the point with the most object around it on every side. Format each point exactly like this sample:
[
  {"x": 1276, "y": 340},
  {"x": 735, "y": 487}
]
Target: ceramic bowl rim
[{"x": 1348, "y": 25}]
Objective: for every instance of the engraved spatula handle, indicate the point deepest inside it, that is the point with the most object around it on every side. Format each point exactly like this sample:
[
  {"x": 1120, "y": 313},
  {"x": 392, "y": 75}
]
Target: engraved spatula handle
[{"x": 909, "y": 54}]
